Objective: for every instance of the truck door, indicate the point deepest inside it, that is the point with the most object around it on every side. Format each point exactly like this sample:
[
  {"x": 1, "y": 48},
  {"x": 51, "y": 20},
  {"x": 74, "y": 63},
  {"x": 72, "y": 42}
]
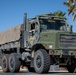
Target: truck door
[{"x": 33, "y": 33}]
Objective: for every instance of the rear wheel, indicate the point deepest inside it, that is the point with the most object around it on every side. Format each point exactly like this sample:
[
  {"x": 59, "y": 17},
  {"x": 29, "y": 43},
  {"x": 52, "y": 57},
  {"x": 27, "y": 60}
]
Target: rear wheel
[
  {"x": 14, "y": 63},
  {"x": 41, "y": 61},
  {"x": 5, "y": 63}
]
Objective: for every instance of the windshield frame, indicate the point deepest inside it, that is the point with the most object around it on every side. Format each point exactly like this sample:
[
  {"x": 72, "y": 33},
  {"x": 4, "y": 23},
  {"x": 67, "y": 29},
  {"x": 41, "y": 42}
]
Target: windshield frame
[{"x": 57, "y": 22}]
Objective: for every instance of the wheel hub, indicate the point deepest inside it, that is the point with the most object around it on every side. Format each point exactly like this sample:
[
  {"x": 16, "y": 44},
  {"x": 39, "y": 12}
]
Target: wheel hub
[
  {"x": 38, "y": 61},
  {"x": 4, "y": 63},
  {"x": 11, "y": 63}
]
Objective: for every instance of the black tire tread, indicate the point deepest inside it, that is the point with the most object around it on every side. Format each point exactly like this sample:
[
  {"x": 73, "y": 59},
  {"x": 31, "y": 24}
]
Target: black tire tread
[
  {"x": 46, "y": 61},
  {"x": 17, "y": 62},
  {"x": 7, "y": 58},
  {"x": 71, "y": 68}
]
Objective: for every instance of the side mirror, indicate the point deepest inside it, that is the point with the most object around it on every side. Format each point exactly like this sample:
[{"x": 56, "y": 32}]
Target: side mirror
[
  {"x": 71, "y": 28},
  {"x": 32, "y": 32}
]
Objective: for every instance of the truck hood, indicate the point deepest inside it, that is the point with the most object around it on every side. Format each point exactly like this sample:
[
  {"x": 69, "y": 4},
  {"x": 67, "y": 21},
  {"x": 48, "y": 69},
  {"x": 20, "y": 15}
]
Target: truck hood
[{"x": 52, "y": 39}]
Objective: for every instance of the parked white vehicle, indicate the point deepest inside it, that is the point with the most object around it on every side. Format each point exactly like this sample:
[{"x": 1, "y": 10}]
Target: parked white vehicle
[{"x": 0, "y": 67}]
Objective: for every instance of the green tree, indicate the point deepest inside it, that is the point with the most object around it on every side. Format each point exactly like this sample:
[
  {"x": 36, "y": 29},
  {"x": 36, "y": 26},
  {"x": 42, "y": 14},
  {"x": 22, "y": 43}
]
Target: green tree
[
  {"x": 71, "y": 4},
  {"x": 59, "y": 14}
]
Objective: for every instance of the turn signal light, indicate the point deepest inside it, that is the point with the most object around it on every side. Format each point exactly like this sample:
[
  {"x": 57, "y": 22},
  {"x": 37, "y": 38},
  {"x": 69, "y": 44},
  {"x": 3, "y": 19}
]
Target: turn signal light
[{"x": 52, "y": 52}]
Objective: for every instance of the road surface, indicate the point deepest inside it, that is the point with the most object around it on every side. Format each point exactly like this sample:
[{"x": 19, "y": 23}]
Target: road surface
[
  {"x": 30, "y": 73},
  {"x": 26, "y": 72}
]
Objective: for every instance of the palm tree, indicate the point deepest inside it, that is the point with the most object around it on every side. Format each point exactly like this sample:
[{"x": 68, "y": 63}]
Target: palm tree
[
  {"x": 71, "y": 4},
  {"x": 59, "y": 14}
]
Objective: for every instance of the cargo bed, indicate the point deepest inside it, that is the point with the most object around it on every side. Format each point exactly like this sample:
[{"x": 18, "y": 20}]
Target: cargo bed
[{"x": 11, "y": 37}]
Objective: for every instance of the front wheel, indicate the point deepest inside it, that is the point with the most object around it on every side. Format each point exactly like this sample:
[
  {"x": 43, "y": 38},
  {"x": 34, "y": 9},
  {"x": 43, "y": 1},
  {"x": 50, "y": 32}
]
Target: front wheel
[
  {"x": 41, "y": 61},
  {"x": 71, "y": 67}
]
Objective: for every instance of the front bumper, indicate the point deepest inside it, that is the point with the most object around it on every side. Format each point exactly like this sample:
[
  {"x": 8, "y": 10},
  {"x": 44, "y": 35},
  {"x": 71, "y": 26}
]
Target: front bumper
[{"x": 63, "y": 52}]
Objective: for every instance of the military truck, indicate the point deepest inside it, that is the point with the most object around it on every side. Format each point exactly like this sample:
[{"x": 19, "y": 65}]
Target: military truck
[{"x": 38, "y": 43}]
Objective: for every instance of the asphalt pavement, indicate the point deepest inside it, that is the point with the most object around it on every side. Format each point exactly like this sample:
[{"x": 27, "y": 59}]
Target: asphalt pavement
[
  {"x": 26, "y": 72},
  {"x": 31, "y": 73},
  {"x": 23, "y": 72}
]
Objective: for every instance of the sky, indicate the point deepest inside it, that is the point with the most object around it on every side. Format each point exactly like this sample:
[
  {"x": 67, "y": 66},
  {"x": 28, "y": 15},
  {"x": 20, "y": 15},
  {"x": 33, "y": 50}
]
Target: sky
[{"x": 12, "y": 11}]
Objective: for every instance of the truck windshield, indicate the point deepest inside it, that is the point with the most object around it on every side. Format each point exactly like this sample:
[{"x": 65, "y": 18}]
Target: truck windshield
[{"x": 48, "y": 24}]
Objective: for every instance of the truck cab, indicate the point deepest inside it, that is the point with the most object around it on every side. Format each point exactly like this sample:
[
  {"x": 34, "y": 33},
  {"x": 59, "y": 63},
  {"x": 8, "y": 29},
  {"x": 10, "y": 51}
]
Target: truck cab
[
  {"x": 54, "y": 35},
  {"x": 45, "y": 26}
]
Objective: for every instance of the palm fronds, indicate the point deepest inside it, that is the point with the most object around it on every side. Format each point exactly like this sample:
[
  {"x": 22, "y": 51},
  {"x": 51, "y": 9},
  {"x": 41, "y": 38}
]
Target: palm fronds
[{"x": 71, "y": 4}]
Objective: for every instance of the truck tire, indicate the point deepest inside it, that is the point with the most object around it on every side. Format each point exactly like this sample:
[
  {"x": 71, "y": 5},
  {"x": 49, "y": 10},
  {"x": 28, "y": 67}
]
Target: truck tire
[
  {"x": 71, "y": 68},
  {"x": 41, "y": 61},
  {"x": 5, "y": 63},
  {"x": 14, "y": 63}
]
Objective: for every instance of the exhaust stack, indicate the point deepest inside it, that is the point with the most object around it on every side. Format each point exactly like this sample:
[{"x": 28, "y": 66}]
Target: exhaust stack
[{"x": 24, "y": 31}]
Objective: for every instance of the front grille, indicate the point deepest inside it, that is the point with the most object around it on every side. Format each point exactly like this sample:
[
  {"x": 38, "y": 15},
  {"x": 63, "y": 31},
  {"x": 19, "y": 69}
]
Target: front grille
[{"x": 67, "y": 40}]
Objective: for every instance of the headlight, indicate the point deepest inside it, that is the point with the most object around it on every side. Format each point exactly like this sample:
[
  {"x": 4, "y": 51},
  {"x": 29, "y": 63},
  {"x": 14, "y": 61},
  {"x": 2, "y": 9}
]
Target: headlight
[{"x": 50, "y": 46}]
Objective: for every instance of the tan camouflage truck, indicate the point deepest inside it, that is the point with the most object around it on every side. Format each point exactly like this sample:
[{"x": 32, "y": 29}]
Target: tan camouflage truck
[{"x": 38, "y": 43}]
